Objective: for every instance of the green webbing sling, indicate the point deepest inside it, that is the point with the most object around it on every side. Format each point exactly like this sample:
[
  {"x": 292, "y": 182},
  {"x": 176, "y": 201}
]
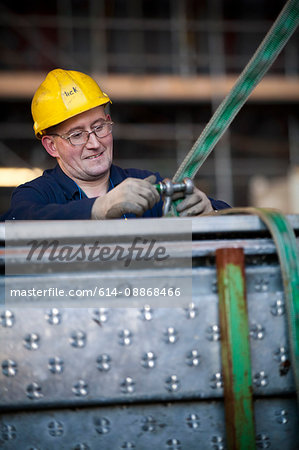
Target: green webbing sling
[
  {"x": 277, "y": 37},
  {"x": 285, "y": 242}
]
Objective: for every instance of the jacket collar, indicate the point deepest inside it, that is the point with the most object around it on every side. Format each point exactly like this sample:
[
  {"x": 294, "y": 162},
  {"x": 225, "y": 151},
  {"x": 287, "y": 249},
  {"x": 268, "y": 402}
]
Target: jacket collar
[{"x": 72, "y": 191}]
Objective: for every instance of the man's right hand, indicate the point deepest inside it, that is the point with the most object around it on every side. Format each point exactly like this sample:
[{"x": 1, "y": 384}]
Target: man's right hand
[{"x": 133, "y": 195}]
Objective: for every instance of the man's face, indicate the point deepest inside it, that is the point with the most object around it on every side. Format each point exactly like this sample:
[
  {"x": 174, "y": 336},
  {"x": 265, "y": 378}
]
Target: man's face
[{"x": 83, "y": 162}]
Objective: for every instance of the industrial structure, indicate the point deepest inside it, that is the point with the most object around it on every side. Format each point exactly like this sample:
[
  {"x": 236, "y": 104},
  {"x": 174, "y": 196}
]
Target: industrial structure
[
  {"x": 102, "y": 344},
  {"x": 166, "y": 66}
]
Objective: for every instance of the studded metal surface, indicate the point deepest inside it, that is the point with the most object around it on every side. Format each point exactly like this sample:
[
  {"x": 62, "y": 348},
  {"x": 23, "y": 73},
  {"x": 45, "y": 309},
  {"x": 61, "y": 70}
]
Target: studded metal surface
[
  {"x": 51, "y": 356},
  {"x": 90, "y": 358},
  {"x": 180, "y": 425}
]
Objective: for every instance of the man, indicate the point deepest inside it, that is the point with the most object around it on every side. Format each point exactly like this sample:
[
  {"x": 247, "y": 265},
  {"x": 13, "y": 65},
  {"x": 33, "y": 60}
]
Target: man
[{"x": 69, "y": 116}]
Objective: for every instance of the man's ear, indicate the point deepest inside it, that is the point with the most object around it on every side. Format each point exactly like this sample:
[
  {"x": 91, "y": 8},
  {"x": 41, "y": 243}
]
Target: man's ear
[
  {"x": 50, "y": 146},
  {"x": 108, "y": 117}
]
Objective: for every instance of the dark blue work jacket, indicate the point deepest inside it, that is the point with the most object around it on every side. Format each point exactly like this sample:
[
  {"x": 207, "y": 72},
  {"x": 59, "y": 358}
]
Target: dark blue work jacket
[{"x": 55, "y": 196}]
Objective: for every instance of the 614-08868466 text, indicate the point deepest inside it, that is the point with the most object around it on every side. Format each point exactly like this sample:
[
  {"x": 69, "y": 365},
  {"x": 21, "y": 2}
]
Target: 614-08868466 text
[{"x": 141, "y": 292}]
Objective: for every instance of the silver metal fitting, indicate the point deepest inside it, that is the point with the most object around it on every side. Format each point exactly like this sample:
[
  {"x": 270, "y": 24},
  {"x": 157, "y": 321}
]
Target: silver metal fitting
[{"x": 168, "y": 188}]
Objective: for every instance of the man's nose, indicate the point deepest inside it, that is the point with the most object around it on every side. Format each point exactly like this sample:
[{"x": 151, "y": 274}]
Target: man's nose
[{"x": 93, "y": 140}]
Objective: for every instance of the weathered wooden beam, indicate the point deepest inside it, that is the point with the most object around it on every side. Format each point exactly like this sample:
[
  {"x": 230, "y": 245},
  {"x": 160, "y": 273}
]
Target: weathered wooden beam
[{"x": 169, "y": 88}]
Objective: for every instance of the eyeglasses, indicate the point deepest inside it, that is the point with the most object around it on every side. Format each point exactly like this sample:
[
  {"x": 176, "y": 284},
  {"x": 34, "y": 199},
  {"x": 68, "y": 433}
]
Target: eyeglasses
[{"x": 81, "y": 137}]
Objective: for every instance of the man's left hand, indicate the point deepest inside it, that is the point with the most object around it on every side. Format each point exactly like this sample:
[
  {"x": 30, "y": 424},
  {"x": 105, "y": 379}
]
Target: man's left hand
[{"x": 194, "y": 204}]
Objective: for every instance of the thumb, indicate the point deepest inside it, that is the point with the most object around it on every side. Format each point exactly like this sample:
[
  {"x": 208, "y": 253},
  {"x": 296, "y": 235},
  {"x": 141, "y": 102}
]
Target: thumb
[{"x": 151, "y": 179}]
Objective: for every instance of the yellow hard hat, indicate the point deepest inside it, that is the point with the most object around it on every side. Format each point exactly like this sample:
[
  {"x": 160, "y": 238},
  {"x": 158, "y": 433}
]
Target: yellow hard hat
[{"x": 64, "y": 94}]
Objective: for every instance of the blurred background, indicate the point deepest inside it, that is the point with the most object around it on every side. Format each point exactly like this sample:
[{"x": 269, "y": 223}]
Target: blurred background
[{"x": 166, "y": 65}]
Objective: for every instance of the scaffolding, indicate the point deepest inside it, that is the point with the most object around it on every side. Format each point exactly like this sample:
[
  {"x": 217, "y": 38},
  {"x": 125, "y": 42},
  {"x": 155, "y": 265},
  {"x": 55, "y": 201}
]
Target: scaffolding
[{"x": 166, "y": 65}]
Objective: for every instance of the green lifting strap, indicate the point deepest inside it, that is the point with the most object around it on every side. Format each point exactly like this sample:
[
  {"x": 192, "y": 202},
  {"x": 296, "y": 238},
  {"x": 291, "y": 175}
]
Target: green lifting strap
[
  {"x": 275, "y": 40},
  {"x": 285, "y": 241}
]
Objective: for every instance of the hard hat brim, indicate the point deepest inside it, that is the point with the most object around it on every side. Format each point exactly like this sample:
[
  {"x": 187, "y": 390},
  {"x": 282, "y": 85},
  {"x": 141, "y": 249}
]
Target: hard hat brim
[{"x": 40, "y": 131}]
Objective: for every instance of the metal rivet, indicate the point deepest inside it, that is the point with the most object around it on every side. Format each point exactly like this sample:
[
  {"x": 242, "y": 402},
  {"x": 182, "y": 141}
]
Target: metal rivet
[
  {"x": 149, "y": 360},
  {"x": 218, "y": 442},
  {"x": 191, "y": 311},
  {"x": 173, "y": 444},
  {"x": 261, "y": 285},
  {"x": 216, "y": 381},
  {"x": 102, "y": 425},
  {"x": 193, "y": 421},
  {"x": 146, "y": 313},
  {"x": 80, "y": 389},
  {"x": 7, "y": 319},
  {"x": 55, "y": 365},
  {"x": 282, "y": 416},
  {"x": 9, "y": 368},
  {"x": 260, "y": 379},
  {"x": 172, "y": 383},
  {"x": 171, "y": 335},
  {"x": 193, "y": 358},
  {"x": 78, "y": 339},
  {"x": 263, "y": 440},
  {"x": 213, "y": 333},
  {"x": 149, "y": 423},
  {"x": 257, "y": 332},
  {"x": 128, "y": 445},
  {"x": 8, "y": 432},
  {"x": 214, "y": 286},
  {"x": 127, "y": 385},
  {"x": 281, "y": 354},
  {"x": 31, "y": 341},
  {"x": 55, "y": 428},
  {"x": 278, "y": 308},
  {"x": 125, "y": 337},
  {"x": 53, "y": 316},
  {"x": 104, "y": 362},
  {"x": 100, "y": 315},
  {"x": 34, "y": 391}
]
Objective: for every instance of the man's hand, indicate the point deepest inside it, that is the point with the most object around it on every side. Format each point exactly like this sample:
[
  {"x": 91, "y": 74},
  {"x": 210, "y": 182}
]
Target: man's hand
[
  {"x": 194, "y": 204},
  {"x": 133, "y": 195}
]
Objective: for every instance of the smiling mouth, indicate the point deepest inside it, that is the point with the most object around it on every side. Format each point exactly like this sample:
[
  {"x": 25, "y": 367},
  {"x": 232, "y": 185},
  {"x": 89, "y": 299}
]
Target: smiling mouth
[{"x": 94, "y": 156}]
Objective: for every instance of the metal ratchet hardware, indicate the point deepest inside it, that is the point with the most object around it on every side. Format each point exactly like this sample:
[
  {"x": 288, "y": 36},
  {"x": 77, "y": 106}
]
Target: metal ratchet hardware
[{"x": 167, "y": 188}]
